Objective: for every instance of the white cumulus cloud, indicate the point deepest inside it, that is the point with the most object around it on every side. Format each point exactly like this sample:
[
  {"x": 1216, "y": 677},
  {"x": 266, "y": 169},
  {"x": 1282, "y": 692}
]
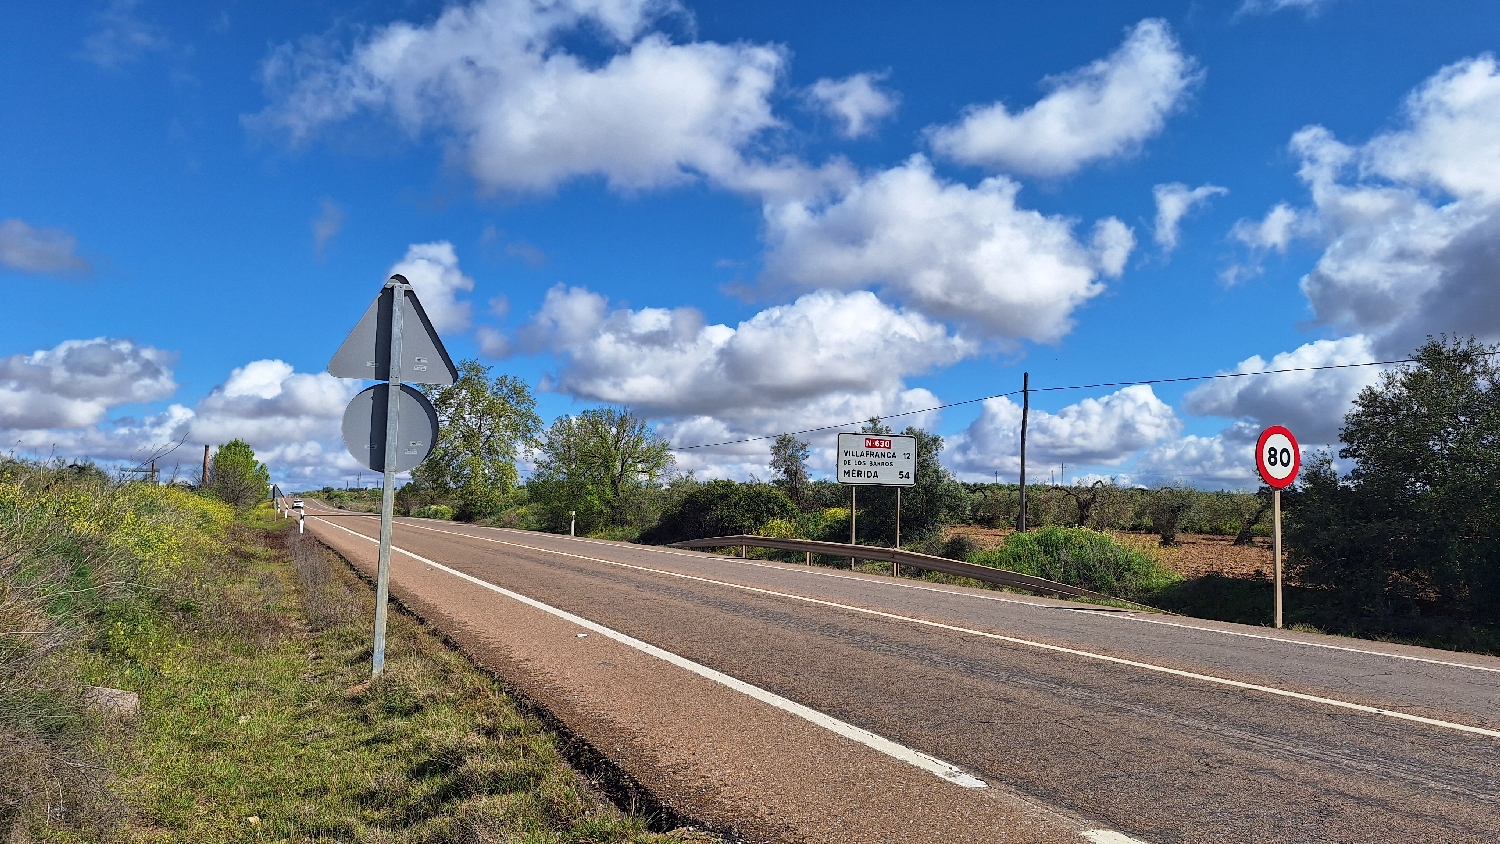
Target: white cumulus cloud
[
  {"x": 292, "y": 419},
  {"x": 965, "y": 255},
  {"x": 1106, "y": 109},
  {"x": 432, "y": 269},
  {"x": 854, "y": 101},
  {"x": 1223, "y": 461},
  {"x": 1173, "y": 202},
  {"x": 77, "y": 382},
  {"x": 496, "y": 78},
  {"x": 1093, "y": 432},
  {"x": 1311, "y": 404},
  {"x": 827, "y": 357},
  {"x": 1408, "y": 220}
]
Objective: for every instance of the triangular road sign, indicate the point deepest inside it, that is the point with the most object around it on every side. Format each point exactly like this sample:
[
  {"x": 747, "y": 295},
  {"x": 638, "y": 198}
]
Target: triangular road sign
[{"x": 366, "y": 352}]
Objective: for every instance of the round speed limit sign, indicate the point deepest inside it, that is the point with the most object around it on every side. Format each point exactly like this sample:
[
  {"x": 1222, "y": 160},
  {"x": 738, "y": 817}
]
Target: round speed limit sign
[{"x": 1277, "y": 457}]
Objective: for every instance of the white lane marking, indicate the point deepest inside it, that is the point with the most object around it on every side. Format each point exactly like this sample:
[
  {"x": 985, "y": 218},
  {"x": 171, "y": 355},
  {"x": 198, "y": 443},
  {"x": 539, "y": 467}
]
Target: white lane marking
[
  {"x": 1441, "y": 662},
  {"x": 1122, "y": 615},
  {"x": 1107, "y": 836},
  {"x": 1146, "y": 666},
  {"x": 916, "y": 758}
]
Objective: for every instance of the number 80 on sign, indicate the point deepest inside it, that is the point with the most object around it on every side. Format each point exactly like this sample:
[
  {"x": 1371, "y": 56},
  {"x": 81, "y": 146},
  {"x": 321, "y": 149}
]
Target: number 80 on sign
[{"x": 1277, "y": 457}]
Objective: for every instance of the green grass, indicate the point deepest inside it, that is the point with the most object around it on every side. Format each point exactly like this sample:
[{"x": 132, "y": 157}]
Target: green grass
[
  {"x": 250, "y": 730},
  {"x": 1080, "y": 557}
]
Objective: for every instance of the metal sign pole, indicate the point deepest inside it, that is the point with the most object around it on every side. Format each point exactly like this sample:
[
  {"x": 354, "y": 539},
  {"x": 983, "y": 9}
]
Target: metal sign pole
[
  {"x": 853, "y": 508},
  {"x": 388, "y": 494},
  {"x": 895, "y": 566},
  {"x": 1276, "y": 548}
]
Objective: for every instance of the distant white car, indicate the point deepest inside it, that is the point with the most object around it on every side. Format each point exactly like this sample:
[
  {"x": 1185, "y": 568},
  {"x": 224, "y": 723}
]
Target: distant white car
[{"x": 296, "y": 504}]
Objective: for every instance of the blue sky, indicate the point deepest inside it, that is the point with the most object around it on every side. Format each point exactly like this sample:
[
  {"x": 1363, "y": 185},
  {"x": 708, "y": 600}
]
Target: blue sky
[{"x": 744, "y": 218}]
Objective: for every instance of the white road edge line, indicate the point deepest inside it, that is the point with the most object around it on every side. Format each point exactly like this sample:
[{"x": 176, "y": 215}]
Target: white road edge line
[
  {"x": 931, "y": 764},
  {"x": 1128, "y": 615},
  {"x": 1107, "y": 836},
  {"x": 1145, "y": 666}
]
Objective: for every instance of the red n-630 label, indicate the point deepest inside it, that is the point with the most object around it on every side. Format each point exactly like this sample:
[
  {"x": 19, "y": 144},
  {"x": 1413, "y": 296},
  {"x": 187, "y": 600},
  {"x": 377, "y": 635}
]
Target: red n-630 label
[{"x": 877, "y": 442}]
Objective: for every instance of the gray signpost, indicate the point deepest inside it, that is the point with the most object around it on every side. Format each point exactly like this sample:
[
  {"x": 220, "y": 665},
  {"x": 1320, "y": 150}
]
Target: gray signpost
[{"x": 393, "y": 341}]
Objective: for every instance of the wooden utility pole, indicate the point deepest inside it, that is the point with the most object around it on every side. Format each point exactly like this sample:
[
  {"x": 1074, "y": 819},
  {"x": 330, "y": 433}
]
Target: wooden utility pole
[
  {"x": 203, "y": 484},
  {"x": 1025, "y": 411}
]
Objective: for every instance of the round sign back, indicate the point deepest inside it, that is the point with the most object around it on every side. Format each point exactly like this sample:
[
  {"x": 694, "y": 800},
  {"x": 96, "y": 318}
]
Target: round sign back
[
  {"x": 1277, "y": 457},
  {"x": 364, "y": 427}
]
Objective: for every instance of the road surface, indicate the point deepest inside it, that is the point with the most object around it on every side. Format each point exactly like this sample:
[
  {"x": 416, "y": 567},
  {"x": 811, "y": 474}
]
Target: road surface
[{"x": 794, "y": 703}]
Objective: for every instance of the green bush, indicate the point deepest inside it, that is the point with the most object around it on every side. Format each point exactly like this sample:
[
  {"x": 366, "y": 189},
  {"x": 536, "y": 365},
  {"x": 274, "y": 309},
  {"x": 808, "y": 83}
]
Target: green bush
[
  {"x": 1080, "y": 557},
  {"x": 720, "y": 508},
  {"x": 434, "y": 511}
]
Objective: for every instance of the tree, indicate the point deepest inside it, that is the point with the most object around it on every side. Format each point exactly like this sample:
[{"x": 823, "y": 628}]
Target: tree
[
  {"x": 236, "y": 478},
  {"x": 1085, "y": 498},
  {"x": 1415, "y": 527},
  {"x": 1166, "y": 507},
  {"x": 592, "y": 463},
  {"x": 720, "y": 508},
  {"x": 936, "y": 499},
  {"x": 1252, "y": 514},
  {"x": 789, "y": 464},
  {"x": 483, "y": 424}
]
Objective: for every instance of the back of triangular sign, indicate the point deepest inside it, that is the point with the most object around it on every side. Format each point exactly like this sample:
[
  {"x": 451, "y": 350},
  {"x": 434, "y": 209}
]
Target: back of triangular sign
[{"x": 365, "y": 353}]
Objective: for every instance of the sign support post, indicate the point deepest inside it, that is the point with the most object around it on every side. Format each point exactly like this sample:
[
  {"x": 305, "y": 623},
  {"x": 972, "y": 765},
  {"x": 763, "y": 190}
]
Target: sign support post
[
  {"x": 388, "y": 492},
  {"x": 378, "y": 350},
  {"x": 1276, "y": 548},
  {"x": 1277, "y": 458},
  {"x": 853, "y": 511},
  {"x": 895, "y": 566}
]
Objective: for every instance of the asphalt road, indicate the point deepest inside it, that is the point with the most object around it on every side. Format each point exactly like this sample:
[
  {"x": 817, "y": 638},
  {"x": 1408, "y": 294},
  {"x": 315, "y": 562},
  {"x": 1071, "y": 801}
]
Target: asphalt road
[{"x": 1081, "y": 724}]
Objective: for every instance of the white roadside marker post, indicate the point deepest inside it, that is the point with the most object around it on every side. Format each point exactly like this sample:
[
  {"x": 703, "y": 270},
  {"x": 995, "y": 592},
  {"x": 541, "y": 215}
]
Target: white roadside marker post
[{"x": 1277, "y": 458}]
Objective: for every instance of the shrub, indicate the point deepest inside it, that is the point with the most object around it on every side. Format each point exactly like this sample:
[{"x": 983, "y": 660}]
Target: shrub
[
  {"x": 720, "y": 508},
  {"x": 434, "y": 511},
  {"x": 1080, "y": 557}
]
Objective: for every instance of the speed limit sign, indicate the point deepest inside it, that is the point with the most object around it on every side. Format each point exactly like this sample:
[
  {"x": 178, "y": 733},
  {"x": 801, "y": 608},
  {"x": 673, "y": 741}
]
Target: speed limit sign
[{"x": 1277, "y": 457}]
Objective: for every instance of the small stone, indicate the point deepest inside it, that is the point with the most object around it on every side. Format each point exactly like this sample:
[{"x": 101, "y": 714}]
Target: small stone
[
  {"x": 253, "y": 820},
  {"x": 113, "y": 703},
  {"x": 244, "y": 719}
]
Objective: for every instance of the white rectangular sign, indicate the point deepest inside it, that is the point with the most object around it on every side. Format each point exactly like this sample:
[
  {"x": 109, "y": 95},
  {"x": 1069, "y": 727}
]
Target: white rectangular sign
[{"x": 878, "y": 459}]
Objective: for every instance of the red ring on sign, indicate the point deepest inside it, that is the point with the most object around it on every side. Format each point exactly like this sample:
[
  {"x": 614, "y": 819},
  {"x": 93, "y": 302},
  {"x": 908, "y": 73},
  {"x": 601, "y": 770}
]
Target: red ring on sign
[{"x": 1260, "y": 457}]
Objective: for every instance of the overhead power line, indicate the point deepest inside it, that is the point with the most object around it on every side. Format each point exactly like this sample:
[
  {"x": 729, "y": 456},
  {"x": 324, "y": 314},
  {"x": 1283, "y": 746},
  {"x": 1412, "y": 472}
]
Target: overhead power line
[{"x": 1055, "y": 389}]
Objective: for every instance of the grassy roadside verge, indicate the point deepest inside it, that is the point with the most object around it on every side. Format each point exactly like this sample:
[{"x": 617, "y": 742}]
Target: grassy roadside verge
[{"x": 255, "y": 723}]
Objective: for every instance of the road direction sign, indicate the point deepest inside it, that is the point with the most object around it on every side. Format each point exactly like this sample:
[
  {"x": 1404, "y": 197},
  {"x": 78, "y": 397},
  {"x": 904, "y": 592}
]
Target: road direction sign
[
  {"x": 365, "y": 427},
  {"x": 877, "y": 460},
  {"x": 366, "y": 353},
  {"x": 1277, "y": 457}
]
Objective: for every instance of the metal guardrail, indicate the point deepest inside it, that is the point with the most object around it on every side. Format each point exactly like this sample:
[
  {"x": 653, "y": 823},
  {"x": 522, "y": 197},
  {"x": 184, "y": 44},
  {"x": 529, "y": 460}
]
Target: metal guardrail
[{"x": 911, "y": 559}]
